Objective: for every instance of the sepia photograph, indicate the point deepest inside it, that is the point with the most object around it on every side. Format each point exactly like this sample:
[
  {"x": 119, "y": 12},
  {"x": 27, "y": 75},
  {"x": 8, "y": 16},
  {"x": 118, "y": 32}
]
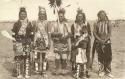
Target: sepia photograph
[{"x": 62, "y": 39}]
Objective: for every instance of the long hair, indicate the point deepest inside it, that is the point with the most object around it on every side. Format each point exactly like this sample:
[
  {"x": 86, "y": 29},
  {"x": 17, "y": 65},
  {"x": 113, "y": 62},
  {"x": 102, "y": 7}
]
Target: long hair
[
  {"x": 62, "y": 11},
  {"x": 83, "y": 17},
  {"x": 99, "y": 14}
]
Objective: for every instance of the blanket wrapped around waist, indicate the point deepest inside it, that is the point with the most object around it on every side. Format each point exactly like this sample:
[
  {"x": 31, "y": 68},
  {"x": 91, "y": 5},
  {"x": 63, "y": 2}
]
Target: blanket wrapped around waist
[
  {"x": 40, "y": 44},
  {"x": 61, "y": 48},
  {"x": 60, "y": 43}
]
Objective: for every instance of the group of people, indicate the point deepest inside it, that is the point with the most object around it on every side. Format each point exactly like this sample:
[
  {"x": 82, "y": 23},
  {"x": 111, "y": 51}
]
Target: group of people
[{"x": 33, "y": 40}]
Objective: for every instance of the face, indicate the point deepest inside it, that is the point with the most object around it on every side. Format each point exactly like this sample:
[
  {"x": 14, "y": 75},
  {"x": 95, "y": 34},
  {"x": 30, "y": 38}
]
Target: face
[
  {"x": 80, "y": 17},
  {"x": 102, "y": 16},
  {"x": 61, "y": 17},
  {"x": 23, "y": 15},
  {"x": 42, "y": 15}
]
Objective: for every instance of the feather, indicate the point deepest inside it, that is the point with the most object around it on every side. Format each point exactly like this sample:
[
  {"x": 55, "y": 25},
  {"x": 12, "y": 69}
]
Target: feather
[
  {"x": 79, "y": 10},
  {"x": 58, "y": 3},
  {"x": 54, "y": 11},
  {"x": 68, "y": 5},
  {"x": 52, "y": 3}
]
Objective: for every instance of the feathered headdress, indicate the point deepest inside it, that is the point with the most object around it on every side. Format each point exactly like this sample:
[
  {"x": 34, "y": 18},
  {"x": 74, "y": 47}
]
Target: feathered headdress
[
  {"x": 62, "y": 10},
  {"x": 79, "y": 10},
  {"x": 54, "y": 3},
  {"x": 42, "y": 9},
  {"x": 22, "y": 9}
]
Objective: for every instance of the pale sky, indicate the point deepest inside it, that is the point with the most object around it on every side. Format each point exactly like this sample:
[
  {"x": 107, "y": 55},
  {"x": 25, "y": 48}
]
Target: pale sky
[{"x": 9, "y": 9}]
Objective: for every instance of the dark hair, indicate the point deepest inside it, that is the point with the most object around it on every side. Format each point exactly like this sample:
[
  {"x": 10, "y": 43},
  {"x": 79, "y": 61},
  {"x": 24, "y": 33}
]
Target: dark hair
[
  {"x": 83, "y": 15},
  {"x": 99, "y": 13},
  {"x": 45, "y": 15},
  {"x": 22, "y": 9},
  {"x": 62, "y": 10}
]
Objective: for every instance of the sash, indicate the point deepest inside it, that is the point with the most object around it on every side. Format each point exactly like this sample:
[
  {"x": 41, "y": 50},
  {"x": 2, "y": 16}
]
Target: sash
[
  {"x": 23, "y": 27},
  {"x": 41, "y": 35}
]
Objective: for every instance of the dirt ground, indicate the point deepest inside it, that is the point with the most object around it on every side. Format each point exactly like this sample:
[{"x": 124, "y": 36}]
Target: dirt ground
[{"x": 118, "y": 62}]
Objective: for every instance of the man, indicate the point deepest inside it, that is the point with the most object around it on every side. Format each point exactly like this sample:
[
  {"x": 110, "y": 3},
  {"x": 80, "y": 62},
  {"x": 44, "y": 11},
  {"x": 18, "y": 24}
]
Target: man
[
  {"x": 22, "y": 32},
  {"x": 41, "y": 42},
  {"x": 79, "y": 29},
  {"x": 60, "y": 38},
  {"x": 102, "y": 34}
]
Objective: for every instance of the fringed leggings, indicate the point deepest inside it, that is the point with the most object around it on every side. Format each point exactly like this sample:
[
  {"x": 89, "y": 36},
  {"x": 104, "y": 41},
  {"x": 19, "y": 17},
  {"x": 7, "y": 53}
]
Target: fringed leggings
[
  {"x": 22, "y": 65},
  {"x": 40, "y": 62}
]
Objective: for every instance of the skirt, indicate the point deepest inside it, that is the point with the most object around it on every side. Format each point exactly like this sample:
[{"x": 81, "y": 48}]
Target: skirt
[
  {"x": 81, "y": 56},
  {"x": 61, "y": 48}
]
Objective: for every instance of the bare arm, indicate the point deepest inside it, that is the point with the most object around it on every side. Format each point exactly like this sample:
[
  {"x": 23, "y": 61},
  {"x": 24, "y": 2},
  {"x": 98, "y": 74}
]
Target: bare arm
[
  {"x": 109, "y": 32},
  {"x": 95, "y": 33}
]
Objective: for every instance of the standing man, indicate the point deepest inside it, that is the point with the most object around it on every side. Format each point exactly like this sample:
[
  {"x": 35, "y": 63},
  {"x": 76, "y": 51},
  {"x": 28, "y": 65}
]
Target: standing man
[
  {"x": 41, "y": 42},
  {"x": 102, "y": 34},
  {"x": 22, "y": 32},
  {"x": 81, "y": 35},
  {"x": 60, "y": 38}
]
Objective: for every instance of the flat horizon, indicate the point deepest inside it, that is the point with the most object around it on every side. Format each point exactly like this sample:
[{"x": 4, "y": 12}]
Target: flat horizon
[{"x": 10, "y": 8}]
